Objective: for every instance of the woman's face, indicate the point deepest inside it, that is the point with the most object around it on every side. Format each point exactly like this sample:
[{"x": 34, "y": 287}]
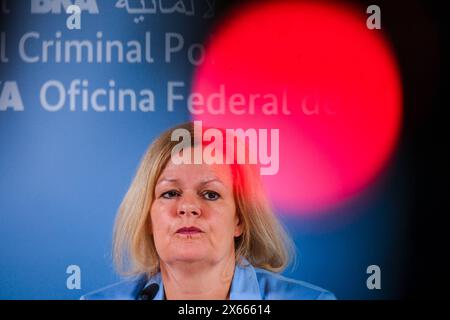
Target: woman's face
[{"x": 193, "y": 214}]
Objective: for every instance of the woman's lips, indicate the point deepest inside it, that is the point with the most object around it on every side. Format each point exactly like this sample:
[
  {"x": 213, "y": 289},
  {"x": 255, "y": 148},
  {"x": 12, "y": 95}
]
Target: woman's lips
[{"x": 189, "y": 230}]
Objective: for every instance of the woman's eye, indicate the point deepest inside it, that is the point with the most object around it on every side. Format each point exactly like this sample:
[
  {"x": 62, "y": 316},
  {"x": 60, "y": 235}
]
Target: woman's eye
[
  {"x": 170, "y": 194},
  {"x": 211, "y": 195}
]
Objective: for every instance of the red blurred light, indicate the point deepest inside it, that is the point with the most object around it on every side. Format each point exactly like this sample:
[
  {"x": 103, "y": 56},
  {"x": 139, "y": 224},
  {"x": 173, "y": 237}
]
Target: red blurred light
[{"x": 343, "y": 92}]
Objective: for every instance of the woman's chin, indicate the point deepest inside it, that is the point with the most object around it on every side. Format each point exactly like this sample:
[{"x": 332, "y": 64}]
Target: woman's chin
[
  {"x": 190, "y": 254},
  {"x": 190, "y": 249}
]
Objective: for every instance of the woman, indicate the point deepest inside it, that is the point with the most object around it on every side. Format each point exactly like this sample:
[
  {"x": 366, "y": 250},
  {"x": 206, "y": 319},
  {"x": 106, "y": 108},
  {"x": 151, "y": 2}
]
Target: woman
[{"x": 199, "y": 231}]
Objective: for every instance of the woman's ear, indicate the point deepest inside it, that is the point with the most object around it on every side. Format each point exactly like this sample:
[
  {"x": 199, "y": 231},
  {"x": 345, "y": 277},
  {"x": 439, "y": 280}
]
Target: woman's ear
[{"x": 238, "y": 228}]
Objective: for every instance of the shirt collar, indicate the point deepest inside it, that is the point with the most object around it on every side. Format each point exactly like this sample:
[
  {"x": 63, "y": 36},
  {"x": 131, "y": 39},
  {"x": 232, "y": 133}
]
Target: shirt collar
[{"x": 244, "y": 285}]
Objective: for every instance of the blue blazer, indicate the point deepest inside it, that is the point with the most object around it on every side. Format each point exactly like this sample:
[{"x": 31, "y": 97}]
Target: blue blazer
[{"x": 249, "y": 283}]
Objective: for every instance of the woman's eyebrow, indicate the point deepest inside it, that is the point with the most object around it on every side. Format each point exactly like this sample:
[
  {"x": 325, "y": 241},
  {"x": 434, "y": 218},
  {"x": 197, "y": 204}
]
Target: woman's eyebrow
[
  {"x": 167, "y": 180},
  {"x": 201, "y": 183},
  {"x": 210, "y": 180}
]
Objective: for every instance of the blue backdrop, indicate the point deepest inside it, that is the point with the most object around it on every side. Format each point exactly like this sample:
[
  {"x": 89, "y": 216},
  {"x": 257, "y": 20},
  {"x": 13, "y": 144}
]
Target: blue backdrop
[{"x": 63, "y": 173}]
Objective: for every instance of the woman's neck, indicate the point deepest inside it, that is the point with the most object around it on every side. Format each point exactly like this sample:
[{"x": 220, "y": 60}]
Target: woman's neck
[{"x": 198, "y": 280}]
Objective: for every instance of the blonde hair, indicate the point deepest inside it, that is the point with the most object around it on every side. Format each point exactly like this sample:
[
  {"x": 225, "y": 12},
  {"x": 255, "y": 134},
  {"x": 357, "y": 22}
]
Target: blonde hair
[{"x": 263, "y": 242}]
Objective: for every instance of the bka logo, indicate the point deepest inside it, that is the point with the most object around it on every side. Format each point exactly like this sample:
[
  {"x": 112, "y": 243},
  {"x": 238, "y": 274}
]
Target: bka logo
[{"x": 60, "y": 6}]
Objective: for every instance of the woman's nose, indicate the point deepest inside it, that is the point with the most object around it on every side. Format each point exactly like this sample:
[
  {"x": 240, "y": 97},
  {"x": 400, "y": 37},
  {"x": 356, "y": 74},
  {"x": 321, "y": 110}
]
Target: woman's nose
[{"x": 188, "y": 205}]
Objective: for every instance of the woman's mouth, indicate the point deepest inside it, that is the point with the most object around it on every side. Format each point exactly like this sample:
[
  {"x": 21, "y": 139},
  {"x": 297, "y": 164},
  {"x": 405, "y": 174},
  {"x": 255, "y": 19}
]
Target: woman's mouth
[{"x": 189, "y": 230}]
